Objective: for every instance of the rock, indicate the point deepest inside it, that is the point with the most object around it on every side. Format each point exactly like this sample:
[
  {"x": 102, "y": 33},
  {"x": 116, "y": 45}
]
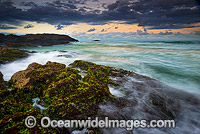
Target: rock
[
  {"x": 61, "y": 88},
  {"x": 66, "y": 56},
  {"x": 3, "y": 90},
  {"x": 36, "y": 73},
  {"x": 1, "y": 78},
  {"x": 13, "y": 111},
  {"x": 159, "y": 105},
  {"x": 96, "y": 40},
  {"x": 35, "y": 40},
  {"x": 2, "y": 82},
  {"x": 8, "y": 54},
  {"x": 13, "y": 114}
]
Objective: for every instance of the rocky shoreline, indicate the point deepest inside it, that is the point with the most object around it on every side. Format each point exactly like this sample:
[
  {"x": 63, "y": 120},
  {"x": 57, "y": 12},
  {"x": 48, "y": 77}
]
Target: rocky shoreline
[{"x": 83, "y": 90}]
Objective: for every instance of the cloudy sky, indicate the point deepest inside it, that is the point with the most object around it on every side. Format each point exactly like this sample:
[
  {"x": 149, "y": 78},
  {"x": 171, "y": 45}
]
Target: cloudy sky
[{"x": 101, "y": 18}]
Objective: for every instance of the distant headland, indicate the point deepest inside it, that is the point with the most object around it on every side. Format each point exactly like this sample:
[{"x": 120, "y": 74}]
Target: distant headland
[{"x": 34, "y": 40}]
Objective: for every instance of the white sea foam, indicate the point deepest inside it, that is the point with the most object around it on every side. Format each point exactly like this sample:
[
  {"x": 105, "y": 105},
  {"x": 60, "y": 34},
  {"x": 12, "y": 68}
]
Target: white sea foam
[
  {"x": 10, "y": 68},
  {"x": 115, "y": 92},
  {"x": 36, "y": 105}
]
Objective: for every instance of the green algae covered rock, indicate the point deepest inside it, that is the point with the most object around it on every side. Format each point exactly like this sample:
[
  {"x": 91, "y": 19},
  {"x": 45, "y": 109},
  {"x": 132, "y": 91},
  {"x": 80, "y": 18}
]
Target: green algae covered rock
[
  {"x": 63, "y": 89},
  {"x": 8, "y": 54},
  {"x": 3, "y": 90},
  {"x": 65, "y": 92},
  {"x": 13, "y": 117},
  {"x": 14, "y": 111}
]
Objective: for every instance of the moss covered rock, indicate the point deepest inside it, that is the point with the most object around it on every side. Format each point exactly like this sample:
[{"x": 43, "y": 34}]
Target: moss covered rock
[
  {"x": 8, "y": 54},
  {"x": 3, "y": 90},
  {"x": 13, "y": 111},
  {"x": 13, "y": 115},
  {"x": 63, "y": 89}
]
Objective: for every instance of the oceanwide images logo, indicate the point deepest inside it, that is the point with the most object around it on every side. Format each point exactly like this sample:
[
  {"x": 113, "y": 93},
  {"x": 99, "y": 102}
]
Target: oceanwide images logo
[
  {"x": 46, "y": 122},
  {"x": 30, "y": 121}
]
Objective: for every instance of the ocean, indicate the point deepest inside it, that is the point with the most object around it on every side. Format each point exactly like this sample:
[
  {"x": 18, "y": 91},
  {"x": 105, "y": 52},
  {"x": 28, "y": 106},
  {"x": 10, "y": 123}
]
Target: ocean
[{"x": 175, "y": 63}]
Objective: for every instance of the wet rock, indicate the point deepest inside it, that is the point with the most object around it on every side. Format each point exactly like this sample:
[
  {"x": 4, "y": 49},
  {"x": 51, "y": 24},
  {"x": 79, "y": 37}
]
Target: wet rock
[
  {"x": 1, "y": 78},
  {"x": 97, "y": 40},
  {"x": 61, "y": 88},
  {"x": 66, "y": 56},
  {"x": 2, "y": 82},
  {"x": 3, "y": 90},
  {"x": 8, "y": 54},
  {"x": 13, "y": 114},
  {"x": 135, "y": 87},
  {"x": 143, "y": 98}
]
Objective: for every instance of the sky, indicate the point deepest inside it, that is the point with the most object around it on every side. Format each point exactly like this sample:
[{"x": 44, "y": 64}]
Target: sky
[{"x": 103, "y": 19}]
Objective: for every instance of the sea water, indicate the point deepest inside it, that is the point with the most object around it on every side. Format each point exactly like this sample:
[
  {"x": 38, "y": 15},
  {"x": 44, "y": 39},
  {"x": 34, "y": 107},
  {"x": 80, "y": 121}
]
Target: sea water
[{"x": 175, "y": 63}]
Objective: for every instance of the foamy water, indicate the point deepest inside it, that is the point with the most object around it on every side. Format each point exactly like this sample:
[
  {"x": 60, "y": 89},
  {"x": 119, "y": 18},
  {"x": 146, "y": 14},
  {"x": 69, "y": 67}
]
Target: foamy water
[{"x": 42, "y": 57}]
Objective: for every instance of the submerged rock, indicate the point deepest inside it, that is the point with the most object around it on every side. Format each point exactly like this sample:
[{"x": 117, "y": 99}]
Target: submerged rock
[{"x": 69, "y": 95}]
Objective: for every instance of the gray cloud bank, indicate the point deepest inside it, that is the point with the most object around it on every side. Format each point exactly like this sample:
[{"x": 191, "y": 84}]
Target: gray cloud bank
[{"x": 155, "y": 14}]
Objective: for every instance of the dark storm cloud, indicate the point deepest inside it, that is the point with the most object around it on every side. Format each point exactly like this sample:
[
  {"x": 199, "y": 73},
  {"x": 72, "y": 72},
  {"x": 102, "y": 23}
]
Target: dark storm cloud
[
  {"x": 6, "y": 27},
  {"x": 196, "y": 32},
  {"x": 156, "y": 14},
  {"x": 119, "y": 11},
  {"x": 60, "y": 4},
  {"x": 28, "y": 26},
  {"x": 166, "y": 33},
  {"x": 10, "y": 14},
  {"x": 52, "y": 15},
  {"x": 140, "y": 32},
  {"x": 91, "y": 30},
  {"x": 59, "y": 27},
  {"x": 28, "y": 4},
  {"x": 162, "y": 14}
]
